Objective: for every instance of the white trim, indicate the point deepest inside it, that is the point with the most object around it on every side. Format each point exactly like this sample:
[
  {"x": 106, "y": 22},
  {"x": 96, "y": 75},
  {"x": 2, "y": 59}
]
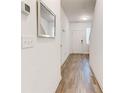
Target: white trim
[
  {"x": 101, "y": 86},
  {"x": 80, "y": 53}
]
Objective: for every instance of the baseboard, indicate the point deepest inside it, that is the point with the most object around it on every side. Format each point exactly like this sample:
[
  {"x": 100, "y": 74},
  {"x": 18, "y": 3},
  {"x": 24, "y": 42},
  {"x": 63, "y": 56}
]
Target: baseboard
[
  {"x": 99, "y": 84},
  {"x": 65, "y": 61},
  {"x": 79, "y": 53}
]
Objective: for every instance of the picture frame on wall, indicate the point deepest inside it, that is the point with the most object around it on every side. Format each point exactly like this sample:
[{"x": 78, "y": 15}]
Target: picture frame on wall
[{"x": 46, "y": 21}]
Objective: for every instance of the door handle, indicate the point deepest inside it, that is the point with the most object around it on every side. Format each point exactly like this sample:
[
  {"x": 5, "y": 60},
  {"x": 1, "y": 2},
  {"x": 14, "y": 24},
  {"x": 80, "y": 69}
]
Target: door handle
[
  {"x": 60, "y": 45},
  {"x": 81, "y": 41}
]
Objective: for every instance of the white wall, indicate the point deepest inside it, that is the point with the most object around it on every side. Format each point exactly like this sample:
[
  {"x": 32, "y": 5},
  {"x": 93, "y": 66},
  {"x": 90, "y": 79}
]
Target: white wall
[
  {"x": 96, "y": 40},
  {"x": 65, "y": 36},
  {"x": 78, "y": 31},
  {"x": 40, "y": 64}
]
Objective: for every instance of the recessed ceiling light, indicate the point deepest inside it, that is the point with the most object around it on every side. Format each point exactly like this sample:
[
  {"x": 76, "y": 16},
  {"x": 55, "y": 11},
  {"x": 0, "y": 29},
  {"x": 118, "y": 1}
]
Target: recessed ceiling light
[{"x": 85, "y": 18}]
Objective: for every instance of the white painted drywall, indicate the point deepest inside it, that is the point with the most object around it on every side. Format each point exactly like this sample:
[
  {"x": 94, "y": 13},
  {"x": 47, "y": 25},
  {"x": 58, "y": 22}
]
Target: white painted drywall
[
  {"x": 40, "y": 64},
  {"x": 96, "y": 43},
  {"x": 78, "y": 31},
  {"x": 65, "y": 36}
]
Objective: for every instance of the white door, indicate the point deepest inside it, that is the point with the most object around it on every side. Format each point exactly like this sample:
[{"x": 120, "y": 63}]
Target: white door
[
  {"x": 62, "y": 45},
  {"x": 65, "y": 45},
  {"x": 79, "y": 42}
]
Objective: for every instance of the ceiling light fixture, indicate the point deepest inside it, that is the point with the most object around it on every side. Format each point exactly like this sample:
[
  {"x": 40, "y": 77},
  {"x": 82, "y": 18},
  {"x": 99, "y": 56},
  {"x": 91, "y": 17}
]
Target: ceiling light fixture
[{"x": 85, "y": 18}]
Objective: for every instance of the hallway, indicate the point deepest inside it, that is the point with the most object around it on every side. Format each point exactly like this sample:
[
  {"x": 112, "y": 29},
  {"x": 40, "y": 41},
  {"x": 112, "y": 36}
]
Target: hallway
[
  {"x": 77, "y": 76},
  {"x": 58, "y": 38}
]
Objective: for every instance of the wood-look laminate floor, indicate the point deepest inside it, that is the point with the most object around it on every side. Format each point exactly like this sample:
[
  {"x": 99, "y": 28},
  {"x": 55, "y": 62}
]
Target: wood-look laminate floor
[{"x": 77, "y": 76}]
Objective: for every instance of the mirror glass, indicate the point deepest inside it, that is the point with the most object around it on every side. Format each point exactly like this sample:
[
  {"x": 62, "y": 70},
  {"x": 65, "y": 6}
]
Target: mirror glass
[{"x": 46, "y": 24}]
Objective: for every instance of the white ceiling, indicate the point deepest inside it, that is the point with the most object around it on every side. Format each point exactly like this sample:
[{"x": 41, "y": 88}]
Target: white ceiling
[{"x": 76, "y": 9}]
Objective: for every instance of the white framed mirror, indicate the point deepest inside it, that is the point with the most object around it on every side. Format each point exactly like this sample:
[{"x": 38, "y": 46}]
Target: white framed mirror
[{"x": 46, "y": 21}]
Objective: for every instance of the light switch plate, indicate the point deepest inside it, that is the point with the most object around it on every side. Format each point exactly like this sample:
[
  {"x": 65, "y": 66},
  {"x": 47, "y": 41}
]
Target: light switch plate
[{"x": 27, "y": 42}]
